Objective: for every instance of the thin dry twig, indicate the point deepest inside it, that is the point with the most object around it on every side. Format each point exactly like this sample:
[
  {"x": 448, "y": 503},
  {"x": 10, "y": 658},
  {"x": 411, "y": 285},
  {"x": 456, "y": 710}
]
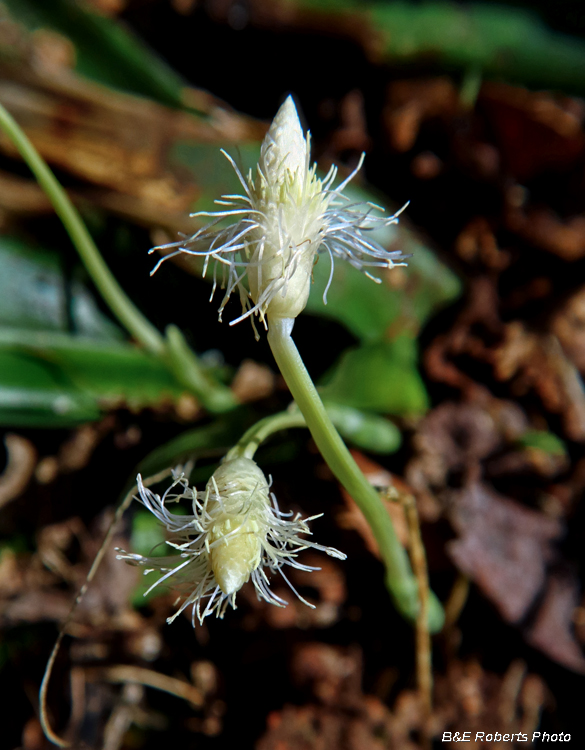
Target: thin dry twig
[
  {"x": 122, "y": 717},
  {"x": 22, "y": 459},
  {"x": 424, "y": 666},
  {"x": 54, "y": 738},
  {"x": 127, "y": 673},
  {"x": 457, "y": 600}
]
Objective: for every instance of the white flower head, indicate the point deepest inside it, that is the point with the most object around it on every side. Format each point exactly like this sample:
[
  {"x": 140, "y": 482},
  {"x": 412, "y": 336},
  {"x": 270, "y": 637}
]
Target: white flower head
[
  {"x": 236, "y": 533},
  {"x": 284, "y": 218}
]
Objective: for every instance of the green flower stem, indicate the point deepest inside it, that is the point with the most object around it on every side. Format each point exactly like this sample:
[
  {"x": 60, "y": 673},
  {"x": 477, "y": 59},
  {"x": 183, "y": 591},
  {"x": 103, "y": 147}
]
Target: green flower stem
[
  {"x": 350, "y": 423},
  {"x": 400, "y": 580},
  {"x": 250, "y": 441},
  {"x": 215, "y": 397}
]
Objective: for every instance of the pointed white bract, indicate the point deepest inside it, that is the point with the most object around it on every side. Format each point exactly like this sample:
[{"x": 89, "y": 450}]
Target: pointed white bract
[
  {"x": 236, "y": 533},
  {"x": 284, "y": 218}
]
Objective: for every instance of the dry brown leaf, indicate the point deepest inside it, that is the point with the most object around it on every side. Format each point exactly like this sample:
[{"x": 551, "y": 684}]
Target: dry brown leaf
[
  {"x": 316, "y": 728},
  {"x": 533, "y": 361},
  {"x": 352, "y": 135},
  {"x": 529, "y": 361},
  {"x": 458, "y": 438},
  {"x": 19, "y": 195},
  {"x": 344, "y": 717},
  {"x": 479, "y": 315},
  {"x": 502, "y": 546},
  {"x": 118, "y": 143},
  {"x": 553, "y": 631},
  {"x": 33, "y": 607}
]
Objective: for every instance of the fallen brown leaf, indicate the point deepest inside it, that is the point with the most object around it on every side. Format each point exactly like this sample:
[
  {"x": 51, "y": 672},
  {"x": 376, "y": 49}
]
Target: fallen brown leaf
[
  {"x": 502, "y": 546},
  {"x": 528, "y": 361},
  {"x": 553, "y": 631},
  {"x": 120, "y": 144},
  {"x": 457, "y": 439},
  {"x": 533, "y": 361}
]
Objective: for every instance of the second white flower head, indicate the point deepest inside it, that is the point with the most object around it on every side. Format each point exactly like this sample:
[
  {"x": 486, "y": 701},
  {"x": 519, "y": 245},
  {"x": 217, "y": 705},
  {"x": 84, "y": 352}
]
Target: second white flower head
[{"x": 236, "y": 533}]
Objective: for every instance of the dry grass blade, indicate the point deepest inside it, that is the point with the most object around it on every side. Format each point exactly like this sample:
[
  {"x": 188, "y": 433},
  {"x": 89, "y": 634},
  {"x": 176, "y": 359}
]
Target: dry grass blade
[
  {"x": 127, "y": 673},
  {"x": 424, "y": 666},
  {"x": 54, "y": 738},
  {"x": 22, "y": 459}
]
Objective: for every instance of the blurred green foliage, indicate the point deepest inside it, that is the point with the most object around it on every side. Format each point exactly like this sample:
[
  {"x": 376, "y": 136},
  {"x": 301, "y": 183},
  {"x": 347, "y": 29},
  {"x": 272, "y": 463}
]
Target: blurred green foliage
[
  {"x": 106, "y": 50},
  {"x": 544, "y": 441},
  {"x": 502, "y": 42},
  {"x": 50, "y": 376},
  {"x": 379, "y": 377}
]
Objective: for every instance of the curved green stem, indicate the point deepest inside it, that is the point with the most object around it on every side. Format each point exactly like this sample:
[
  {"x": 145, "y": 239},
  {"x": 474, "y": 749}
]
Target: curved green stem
[
  {"x": 215, "y": 397},
  {"x": 363, "y": 429},
  {"x": 400, "y": 580},
  {"x": 126, "y": 312},
  {"x": 250, "y": 441}
]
